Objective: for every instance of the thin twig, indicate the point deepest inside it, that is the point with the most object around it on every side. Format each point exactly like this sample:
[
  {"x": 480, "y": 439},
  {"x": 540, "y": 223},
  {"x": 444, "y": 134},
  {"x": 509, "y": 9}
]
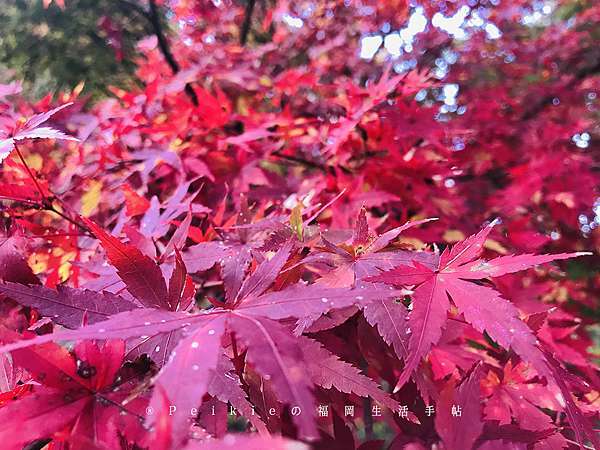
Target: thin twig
[
  {"x": 154, "y": 18},
  {"x": 35, "y": 181},
  {"x": 247, "y": 22},
  {"x": 21, "y": 200},
  {"x": 299, "y": 160},
  {"x": 38, "y": 445},
  {"x": 46, "y": 202},
  {"x": 51, "y": 208}
]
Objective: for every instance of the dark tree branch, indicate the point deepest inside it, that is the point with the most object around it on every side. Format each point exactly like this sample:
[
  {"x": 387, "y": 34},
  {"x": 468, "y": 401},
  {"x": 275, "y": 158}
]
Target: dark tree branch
[
  {"x": 127, "y": 6},
  {"x": 247, "y": 21},
  {"x": 547, "y": 100},
  {"x": 38, "y": 445},
  {"x": 154, "y": 18},
  {"x": 302, "y": 161}
]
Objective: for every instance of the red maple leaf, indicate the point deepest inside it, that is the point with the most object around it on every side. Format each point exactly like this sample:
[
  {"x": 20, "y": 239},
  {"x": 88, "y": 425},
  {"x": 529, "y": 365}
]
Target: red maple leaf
[
  {"x": 31, "y": 130},
  {"x": 482, "y": 306},
  {"x": 198, "y": 338},
  {"x": 78, "y": 398}
]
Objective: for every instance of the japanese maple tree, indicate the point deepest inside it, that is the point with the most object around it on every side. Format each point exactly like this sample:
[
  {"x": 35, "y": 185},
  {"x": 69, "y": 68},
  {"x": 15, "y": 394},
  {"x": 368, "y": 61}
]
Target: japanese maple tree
[{"x": 328, "y": 224}]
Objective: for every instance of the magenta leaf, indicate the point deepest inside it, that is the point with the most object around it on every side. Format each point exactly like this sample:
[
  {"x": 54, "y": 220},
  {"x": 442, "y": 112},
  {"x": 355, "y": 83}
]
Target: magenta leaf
[
  {"x": 482, "y": 307},
  {"x": 13, "y": 266},
  {"x": 37, "y": 416},
  {"x": 361, "y": 229},
  {"x": 275, "y": 354},
  {"x": 580, "y": 423},
  {"x": 185, "y": 379},
  {"x": 136, "y": 323},
  {"x": 390, "y": 318},
  {"x": 234, "y": 268},
  {"x": 67, "y": 306},
  {"x": 487, "y": 311},
  {"x": 463, "y": 428},
  {"x": 203, "y": 256},
  {"x": 327, "y": 370},
  {"x": 265, "y": 274},
  {"x": 309, "y": 302},
  {"x": 507, "y": 264},
  {"x": 430, "y": 306},
  {"x": 141, "y": 275},
  {"x": 349, "y": 266},
  {"x": 181, "y": 286},
  {"x": 31, "y": 130},
  {"x": 225, "y": 385}
]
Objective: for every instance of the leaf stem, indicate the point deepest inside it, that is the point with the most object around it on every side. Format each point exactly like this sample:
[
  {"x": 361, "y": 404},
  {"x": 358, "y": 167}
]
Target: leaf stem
[
  {"x": 35, "y": 181},
  {"x": 45, "y": 201}
]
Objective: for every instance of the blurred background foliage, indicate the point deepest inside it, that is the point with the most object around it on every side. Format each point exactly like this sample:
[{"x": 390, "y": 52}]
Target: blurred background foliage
[{"x": 52, "y": 47}]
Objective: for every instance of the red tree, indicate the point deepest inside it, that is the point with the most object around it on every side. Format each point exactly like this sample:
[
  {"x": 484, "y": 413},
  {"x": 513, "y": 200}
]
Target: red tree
[{"x": 316, "y": 223}]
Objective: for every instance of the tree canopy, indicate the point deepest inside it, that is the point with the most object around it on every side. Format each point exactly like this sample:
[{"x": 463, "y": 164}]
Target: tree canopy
[{"x": 314, "y": 224}]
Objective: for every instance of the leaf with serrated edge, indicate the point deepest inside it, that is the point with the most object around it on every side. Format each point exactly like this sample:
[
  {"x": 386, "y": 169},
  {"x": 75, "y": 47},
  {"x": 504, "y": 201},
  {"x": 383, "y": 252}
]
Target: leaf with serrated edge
[{"x": 67, "y": 306}]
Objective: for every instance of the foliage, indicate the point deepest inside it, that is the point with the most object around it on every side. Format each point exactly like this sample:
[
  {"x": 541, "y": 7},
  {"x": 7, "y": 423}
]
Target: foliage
[
  {"x": 283, "y": 239},
  {"x": 59, "y": 47}
]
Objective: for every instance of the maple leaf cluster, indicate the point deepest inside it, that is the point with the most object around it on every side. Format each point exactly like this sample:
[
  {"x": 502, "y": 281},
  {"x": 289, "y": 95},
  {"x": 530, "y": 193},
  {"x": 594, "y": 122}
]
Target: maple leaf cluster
[{"x": 280, "y": 243}]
